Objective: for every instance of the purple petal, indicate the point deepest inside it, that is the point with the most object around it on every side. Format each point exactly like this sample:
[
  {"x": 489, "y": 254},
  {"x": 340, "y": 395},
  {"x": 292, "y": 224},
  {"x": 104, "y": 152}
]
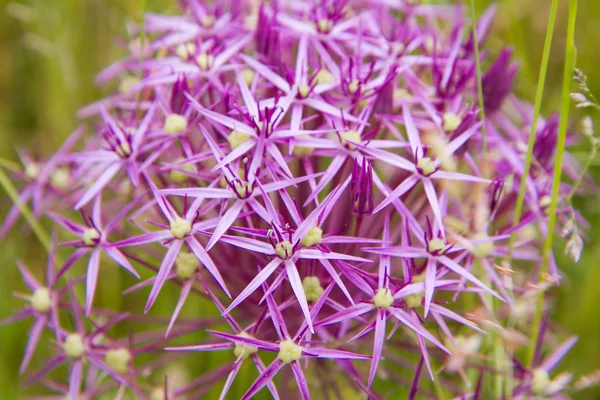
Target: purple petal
[
  {"x": 263, "y": 379},
  {"x": 120, "y": 259},
  {"x": 207, "y": 262},
  {"x": 347, "y": 314},
  {"x": 145, "y": 238},
  {"x": 225, "y": 222},
  {"x": 230, "y": 378},
  {"x": 98, "y": 184},
  {"x": 296, "y": 284},
  {"x": 91, "y": 279},
  {"x": 402, "y": 188},
  {"x": 316, "y": 254},
  {"x": 34, "y": 337},
  {"x": 262, "y": 276},
  {"x": 185, "y": 291},
  {"x": 202, "y": 347},
  {"x": 377, "y": 344},
  {"x": 164, "y": 270},
  {"x": 301, "y": 381},
  {"x": 452, "y": 265}
]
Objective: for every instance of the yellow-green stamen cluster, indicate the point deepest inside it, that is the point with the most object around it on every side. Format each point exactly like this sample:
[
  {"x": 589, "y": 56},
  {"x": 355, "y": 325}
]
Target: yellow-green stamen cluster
[
  {"x": 74, "y": 346},
  {"x": 118, "y": 359},
  {"x": 180, "y": 227},
  {"x": 312, "y": 288},
  {"x": 186, "y": 264},
  {"x": 383, "y": 298},
  {"x": 289, "y": 352},
  {"x": 312, "y": 237},
  {"x": 244, "y": 350}
]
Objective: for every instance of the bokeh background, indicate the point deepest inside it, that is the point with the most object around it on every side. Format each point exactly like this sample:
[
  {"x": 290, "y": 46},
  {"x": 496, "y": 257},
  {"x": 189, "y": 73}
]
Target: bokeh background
[{"x": 50, "y": 51}]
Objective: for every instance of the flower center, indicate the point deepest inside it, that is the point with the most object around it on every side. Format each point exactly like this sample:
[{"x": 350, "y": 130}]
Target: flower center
[
  {"x": 243, "y": 350},
  {"x": 186, "y": 264},
  {"x": 324, "y": 25},
  {"x": 545, "y": 201},
  {"x": 40, "y": 300},
  {"x": 180, "y": 227},
  {"x": 303, "y": 90},
  {"x": 123, "y": 149},
  {"x": 312, "y": 237},
  {"x": 451, "y": 121},
  {"x": 312, "y": 288},
  {"x": 118, "y": 359},
  {"x": 426, "y": 166},
  {"x": 184, "y": 51},
  {"x": 416, "y": 299},
  {"x": 90, "y": 236},
  {"x": 350, "y": 136},
  {"x": 243, "y": 189},
  {"x": 323, "y": 76},
  {"x": 289, "y": 352},
  {"x": 207, "y": 21},
  {"x": 236, "y": 139},
  {"x": 539, "y": 381},
  {"x": 205, "y": 61},
  {"x": 354, "y": 86},
  {"x": 248, "y": 75},
  {"x": 60, "y": 178},
  {"x": 73, "y": 346},
  {"x": 175, "y": 123},
  {"x": 284, "y": 249},
  {"x": 383, "y": 298},
  {"x": 32, "y": 171},
  {"x": 436, "y": 246}
]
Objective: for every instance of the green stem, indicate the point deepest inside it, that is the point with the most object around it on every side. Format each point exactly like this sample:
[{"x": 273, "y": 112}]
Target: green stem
[
  {"x": 479, "y": 83},
  {"x": 536, "y": 114},
  {"x": 37, "y": 228},
  {"x": 13, "y": 166},
  {"x": 560, "y": 149}
]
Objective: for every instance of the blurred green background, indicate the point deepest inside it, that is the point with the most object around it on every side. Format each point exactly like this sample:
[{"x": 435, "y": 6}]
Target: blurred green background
[{"x": 51, "y": 50}]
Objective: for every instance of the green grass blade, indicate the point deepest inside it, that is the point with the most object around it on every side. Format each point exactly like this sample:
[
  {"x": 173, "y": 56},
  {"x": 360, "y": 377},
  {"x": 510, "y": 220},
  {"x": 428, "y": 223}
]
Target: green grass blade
[
  {"x": 37, "y": 228},
  {"x": 536, "y": 114},
  {"x": 557, "y": 173},
  {"x": 479, "y": 83}
]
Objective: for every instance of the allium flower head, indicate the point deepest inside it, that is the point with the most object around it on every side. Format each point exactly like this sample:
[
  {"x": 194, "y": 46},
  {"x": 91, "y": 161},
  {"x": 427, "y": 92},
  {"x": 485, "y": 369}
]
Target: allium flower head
[{"x": 315, "y": 181}]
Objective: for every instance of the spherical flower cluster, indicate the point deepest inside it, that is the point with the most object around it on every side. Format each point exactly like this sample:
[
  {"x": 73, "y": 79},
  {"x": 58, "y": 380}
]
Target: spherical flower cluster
[{"x": 316, "y": 174}]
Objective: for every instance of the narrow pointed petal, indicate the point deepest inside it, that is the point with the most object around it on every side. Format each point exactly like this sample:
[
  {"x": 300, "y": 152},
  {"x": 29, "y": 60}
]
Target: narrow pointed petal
[
  {"x": 452, "y": 265},
  {"x": 34, "y": 337},
  {"x": 151, "y": 237},
  {"x": 98, "y": 185},
  {"x": 264, "y": 378},
  {"x": 378, "y": 344},
  {"x": 296, "y": 284},
  {"x": 262, "y": 276},
  {"x": 301, "y": 381},
  {"x": 207, "y": 262},
  {"x": 163, "y": 272},
  {"x": 402, "y": 188},
  {"x": 230, "y": 378},
  {"x": 91, "y": 280},
  {"x": 347, "y": 314},
  {"x": 434, "y": 203},
  {"x": 185, "y": 291},
  {"x": 226, "y": 221}
]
